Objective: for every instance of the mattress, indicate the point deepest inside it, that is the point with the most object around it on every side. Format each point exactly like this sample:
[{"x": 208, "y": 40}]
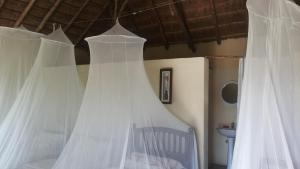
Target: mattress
[
  {"x": 135, "y": 161},
  {"x": 43, "y": 164},
  {"x": 142, "y": 161}
]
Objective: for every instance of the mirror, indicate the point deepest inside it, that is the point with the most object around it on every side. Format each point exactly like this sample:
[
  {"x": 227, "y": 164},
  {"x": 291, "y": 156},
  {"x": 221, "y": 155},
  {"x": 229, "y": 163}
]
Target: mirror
[{"x": 230, "y": 92}]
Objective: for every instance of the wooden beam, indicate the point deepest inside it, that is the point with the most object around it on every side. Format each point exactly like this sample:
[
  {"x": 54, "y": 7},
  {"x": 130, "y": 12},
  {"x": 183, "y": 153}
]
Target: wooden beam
[
  {"x": 88, "y": 27},
  {"x": 215, "y": 14},
  {"x": 181, "y": 17},
  {"x": 2, "y": 2},
  {"x": 24, "y": 13},
  {"x": 48, "y": 15},
  {"x": 161, "y": 26},
  {"x": 76, "y": 15},
  {"x": 205, "y": 18},
  {"x": 221, "y": 26}
]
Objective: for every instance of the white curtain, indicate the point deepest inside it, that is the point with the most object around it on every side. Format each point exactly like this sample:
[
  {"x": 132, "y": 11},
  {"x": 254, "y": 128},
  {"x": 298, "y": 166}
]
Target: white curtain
[
  {"x": 41, "y": 119},
  {"x": 18, "y": 50},
  {"x": 121, "y": 123},
  {"x": 268, "y": 134}
]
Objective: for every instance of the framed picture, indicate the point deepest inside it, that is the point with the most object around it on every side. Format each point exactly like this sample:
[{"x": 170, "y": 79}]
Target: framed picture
[{"x": 165, "y": 89}]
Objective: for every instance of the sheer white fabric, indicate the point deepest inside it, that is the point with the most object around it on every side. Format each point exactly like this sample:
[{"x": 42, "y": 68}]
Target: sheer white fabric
[
  {"x": 267, "y": 135},
  {"x": 118, "y": 102},
  {"x": 18, "y": 50},
  {"x": 41, "y": 119},
  {"x": 240, "y": 82}
]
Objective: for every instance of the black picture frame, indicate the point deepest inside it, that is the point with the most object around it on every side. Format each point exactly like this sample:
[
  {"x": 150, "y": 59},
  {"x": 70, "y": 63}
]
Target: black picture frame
[{"x": 165, "y": 85}]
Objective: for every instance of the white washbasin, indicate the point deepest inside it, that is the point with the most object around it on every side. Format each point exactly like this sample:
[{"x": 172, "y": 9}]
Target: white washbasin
[
  {"x": 230, "y": 134},
  {"x": 227, "y": 132}
]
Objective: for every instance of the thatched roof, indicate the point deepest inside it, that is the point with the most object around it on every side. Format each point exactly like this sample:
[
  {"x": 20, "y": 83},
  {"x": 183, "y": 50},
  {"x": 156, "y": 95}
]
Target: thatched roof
[{"x": 161, "y": 22}]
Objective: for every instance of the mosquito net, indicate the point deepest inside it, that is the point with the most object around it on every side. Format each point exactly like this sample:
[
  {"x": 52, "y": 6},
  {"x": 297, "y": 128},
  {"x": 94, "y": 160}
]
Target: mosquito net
[
  {"x": 41, "y": 119},
  {"x": 121, "y": 123},
  {"x": 18, "y": 50},
  {"x": 267, "y": 135}
]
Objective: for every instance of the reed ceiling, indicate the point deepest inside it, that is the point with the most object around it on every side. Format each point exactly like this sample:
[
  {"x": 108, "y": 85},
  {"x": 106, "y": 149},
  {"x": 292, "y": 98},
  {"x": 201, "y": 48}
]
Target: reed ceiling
[{"x": 161, "y": 22}]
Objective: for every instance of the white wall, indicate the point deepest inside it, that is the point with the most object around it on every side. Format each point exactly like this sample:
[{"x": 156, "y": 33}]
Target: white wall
[
  {"x": 222, "y": 70},
  {"x": 190, "y": 94}
]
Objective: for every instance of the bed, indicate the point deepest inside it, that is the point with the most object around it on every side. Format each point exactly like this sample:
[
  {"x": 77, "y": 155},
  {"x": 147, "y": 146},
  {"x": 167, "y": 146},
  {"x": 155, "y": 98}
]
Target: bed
[
  {"x": 176, "y": 146},
  {"x": 171, "y": 146},
  {"x": 47, "y": 147}
]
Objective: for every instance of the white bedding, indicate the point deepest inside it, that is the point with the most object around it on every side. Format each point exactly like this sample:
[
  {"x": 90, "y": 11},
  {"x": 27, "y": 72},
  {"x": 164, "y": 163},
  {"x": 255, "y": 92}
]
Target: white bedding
[
  {"x": 134, "y": 161},
  {"x": 143, "y": 161}
]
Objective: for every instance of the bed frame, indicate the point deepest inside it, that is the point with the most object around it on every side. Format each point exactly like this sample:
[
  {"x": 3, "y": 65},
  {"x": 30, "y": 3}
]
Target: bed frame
[{"x": 164, "y": 142}]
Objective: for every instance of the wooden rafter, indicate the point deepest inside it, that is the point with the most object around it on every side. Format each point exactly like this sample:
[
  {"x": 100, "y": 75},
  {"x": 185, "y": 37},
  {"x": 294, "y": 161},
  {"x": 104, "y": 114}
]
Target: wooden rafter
[
  {"x": 2, "y": 2},
  {"x": 208, "y": 28},
  {"x": 205, "y": 18},
  {"x": 181, "y": 17},
  {"x": 161, "y": 26},
  {"x": 88, "y": 27},
  {"x": 48, "y": 15},
  {"x": 24, "y": 13},
  {"x": 76, "y": 15},
  {"x": 215, "y": 14}
]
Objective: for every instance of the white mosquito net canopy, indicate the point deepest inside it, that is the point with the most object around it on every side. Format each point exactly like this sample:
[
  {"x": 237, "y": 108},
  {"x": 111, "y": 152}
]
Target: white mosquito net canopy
[
  {"x": 41, "y": 119},
  {"x": 18, "y": 50},
  {"x": 121, "y": 123},
  {"x": 268, "y": 134}
]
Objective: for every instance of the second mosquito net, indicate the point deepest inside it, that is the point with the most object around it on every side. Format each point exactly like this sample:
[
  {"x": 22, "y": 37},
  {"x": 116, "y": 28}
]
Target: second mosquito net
[
  {"x": 18, "y": 50},
  {"x": 268, "y": 126},
  {"x": 121, "y": 123},
  {"x": 41, "y": 119}
]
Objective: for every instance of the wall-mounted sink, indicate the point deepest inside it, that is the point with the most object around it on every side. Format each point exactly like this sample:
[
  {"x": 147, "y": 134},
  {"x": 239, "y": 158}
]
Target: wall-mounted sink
[
  {"x": 227, "y": 132},
  {"x": 230, "y": 134}
]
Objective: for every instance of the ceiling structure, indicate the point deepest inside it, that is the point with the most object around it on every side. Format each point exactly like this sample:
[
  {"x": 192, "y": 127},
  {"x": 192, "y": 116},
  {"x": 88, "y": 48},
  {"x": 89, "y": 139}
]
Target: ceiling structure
[{"x": 161, "y": 22}]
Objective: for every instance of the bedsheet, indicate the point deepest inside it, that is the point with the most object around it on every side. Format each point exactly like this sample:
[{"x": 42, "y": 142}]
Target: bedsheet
[
  {"x": 133, "y": 161},
  {"x": 43, "y": 164},
  {"x": 142, "y": 161}
]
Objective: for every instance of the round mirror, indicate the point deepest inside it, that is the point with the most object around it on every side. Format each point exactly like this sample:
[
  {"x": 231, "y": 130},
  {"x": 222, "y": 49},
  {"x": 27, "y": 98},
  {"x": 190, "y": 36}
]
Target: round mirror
[{"x": 230, "y": 92}]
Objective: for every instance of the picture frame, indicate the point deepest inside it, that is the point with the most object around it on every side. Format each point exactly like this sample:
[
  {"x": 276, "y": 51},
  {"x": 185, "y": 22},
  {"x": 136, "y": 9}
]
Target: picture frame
[{"x": 165, "y": 87}]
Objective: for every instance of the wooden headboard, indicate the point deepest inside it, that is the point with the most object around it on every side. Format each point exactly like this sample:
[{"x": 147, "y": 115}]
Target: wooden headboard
[{"x": 164, "y": 142}]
